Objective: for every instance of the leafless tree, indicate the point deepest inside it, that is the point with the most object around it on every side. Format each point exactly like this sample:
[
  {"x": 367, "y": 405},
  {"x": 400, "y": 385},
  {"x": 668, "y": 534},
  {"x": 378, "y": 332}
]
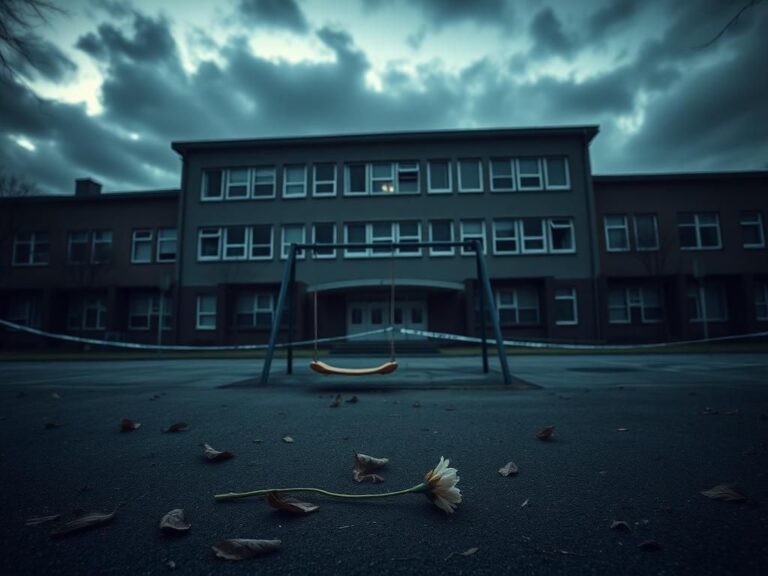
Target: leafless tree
[{"x": 17, "y": 19}]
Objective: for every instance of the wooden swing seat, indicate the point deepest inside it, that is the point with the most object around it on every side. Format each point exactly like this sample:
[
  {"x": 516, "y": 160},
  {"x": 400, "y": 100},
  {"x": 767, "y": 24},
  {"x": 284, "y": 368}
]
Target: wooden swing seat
[{"x": 327, "y": 369}]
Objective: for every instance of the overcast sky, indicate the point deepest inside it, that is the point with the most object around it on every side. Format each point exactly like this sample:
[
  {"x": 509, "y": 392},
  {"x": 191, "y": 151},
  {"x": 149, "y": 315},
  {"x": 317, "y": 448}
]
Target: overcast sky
[{"x": 116, "y": 81}]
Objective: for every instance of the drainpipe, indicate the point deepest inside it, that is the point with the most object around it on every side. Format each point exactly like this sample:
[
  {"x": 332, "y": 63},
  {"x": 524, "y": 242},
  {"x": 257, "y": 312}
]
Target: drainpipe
[{"x": 594, "y": 263}]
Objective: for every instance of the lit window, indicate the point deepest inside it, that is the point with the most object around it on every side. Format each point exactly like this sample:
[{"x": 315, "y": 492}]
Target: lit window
[
  {"x": 324, "y": 180},
  {"x": 699, "y": 231},
  {"x": 752, "y": 230},
  {"x": 470, "y": 176},
  {"x": 502, "y": 175},
  {"x": 439, "y": 176},
  {"x": 31, "y": 249},
  {"x": 616, "y": 233},
  {"x": 209, "y": 244},
  {"x": 324, "y": 234},
  {"x": 205, "y": 318},
  {"x": 295, "y": 181},
  {"x": 166, "y": 245},
  {"x": 566, "y": 308},
  {"x": 529, "y": 176},
  {"x": 382, "y": 178},
  {"x": 141, "y": 246},
  {"x": 441, "y": 231},
  {"x": 292, "y": 234},
  {"x": 646, "y": 232},
  {"x": 556, "y": 173},
  {"x": 261, "y": 242}
]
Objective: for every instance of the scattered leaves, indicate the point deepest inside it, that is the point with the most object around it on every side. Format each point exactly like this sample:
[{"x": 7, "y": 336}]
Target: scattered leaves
[
  {"x": 621, "y": 526},
  {"x": 51, "y": 424},
  {"x": 353, "y": 400},
  {"x": 336, "y": 401},
  {"x": 127, "y": 425},
  {"x": 83, "y": 522},
  {"x": 545, "y": 433},
  {"x": 284, "y": 503},
  {"x": 726, "y": 493},
  {"x": 174, "y": 521},
  {"x": 509, "y": 469},
  {"x": 177, "y": 427},
  {"x": 216, "y": 455},
  {"x": 41, "y": 520},
  {"x": 363, "y": 468},
  {"x": 287, "y": 439},
  {"x": 243, "y": 548},
  {"x": 649, "y": 546}
]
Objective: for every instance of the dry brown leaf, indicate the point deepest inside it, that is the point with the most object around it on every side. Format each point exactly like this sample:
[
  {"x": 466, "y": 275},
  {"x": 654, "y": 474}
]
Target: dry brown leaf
[
  {"x": 288, "y": 504},
  {"x": 127, "y": 425},
  {"x": 726, "y": 493},
  {"x": 545, "y": 433},
  {"x": 287, "y": 439},
  {"x": 336, "y": 401},
  {"x": 83, "y": 522},
  {"x": 353, "y": 400},
  {"x": 216, "y": 455},
  {"x": 649, "y": 546},
  {"x": 177, "y": 427},
  {"x": 620, "y": 526},
  {"x": 509, "y": 469},
  {"x": 41, "y": 520},
  {"x": 243, "y": 548},
  {"x": 174, "y": 521},
  {"x": 363, "y": 468}
]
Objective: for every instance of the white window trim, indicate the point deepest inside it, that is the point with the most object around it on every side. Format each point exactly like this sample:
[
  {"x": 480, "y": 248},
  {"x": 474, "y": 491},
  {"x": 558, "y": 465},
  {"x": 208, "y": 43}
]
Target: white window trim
[
  {"x": 574, "y": 305},
  {"x": 199, "y": 313},
  {"x": 399, "y": 238},
  {"x": 95, "y": 241},
  {"x": 625, "y": 290},
  {"x": 227, "y": 184},
  {"x": 399, "y": 169},
  {"x": 333, "y": 241},
  {"x": 200, "y": 236},
  {"x": 552, "y": 225},
  {"x": 161, "y": 241},
  {"x": 464, "y": 190},
  {"x": 567, "y": 185},
  {"x": 149, "y": 239},
  {"x": 697, "y": 226},
  {"x": 255, "y": 310},
  {"x": 516, "y": 226},
  {"x": 372, "y": 180},
  {"x": 756, "y": 222},
  {"x": 513, "y": 175},
  {"x": 516, "y": 307},
  {"x": 286, "y": 183},
  {"x": 204, "y": 187},
  {"x": 347, "y": 253},
  {"x": 624, "y": 226},
  {"x": 520, "y": 175},
  {"x": 32, "y": 242},
  {"x": 148, "y": 316},
  {"x": 284, "y": 247},
  {"x": 430, "y": 189},
  {"x": 640, "y": 248},
  {"x": 315, "y": 181},
  {"x": 252, "y": 181},
  {"x": 250, "y": 235},
  {"x": 245, "y": 245},
  {"x": 543, "y": 233},
  {"x": 450, "y": 251},
  {"x": 347, "y": 180},
  {"x": 472, "y": 237}
]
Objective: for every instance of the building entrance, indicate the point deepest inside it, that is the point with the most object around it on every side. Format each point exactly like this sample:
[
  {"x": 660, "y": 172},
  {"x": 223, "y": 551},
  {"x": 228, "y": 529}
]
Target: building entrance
[{"x": 366, "y": 315}]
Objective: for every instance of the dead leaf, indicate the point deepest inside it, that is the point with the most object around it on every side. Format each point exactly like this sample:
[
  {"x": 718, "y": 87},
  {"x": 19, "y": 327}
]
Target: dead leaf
[
  {"x": 363, "y": 468},
  {"x": 525, "y": 503},
  {"x": 353, "y": 400},
  {"x": 50, "y": 425},
  {"x": 726, "y": 493},
  {"x": 288, "y": 504},
  {"x": 243, "y": 548},
  {"x": 620, "y": 526},
  {"x": 174, "y": 521},
  {"x": 216, "y": 455},
  {"x": 649, "y": 546},
  {"x": 177, "y": 427},
  {"x": 83, "y": 522},
  {"x": 287, "y": 439},
  {"x": 336, "y": 401},
  {"x": 127, "y": 425},
  {"x": 509, "y": 469},
  {"x": 545, "y": 433},
  {"x": 469, "y": 551},
  {"x": 41, "y": 520}
]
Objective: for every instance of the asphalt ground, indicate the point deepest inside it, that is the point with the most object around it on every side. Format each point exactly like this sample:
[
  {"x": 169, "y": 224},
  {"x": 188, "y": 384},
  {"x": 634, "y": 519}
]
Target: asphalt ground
[{"x": 637, "y": 439}]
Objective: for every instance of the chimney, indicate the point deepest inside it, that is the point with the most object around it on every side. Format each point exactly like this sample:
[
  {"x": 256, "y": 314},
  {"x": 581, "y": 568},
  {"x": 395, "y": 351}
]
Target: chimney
[{"x": 87, "y": 187}]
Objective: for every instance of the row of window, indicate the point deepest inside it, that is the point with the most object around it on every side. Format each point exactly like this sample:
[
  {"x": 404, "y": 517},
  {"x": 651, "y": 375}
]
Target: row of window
[
  {"x": 696, "y": 231},
  {"x": 95, "y": 247},
  {"x": 510, "y": 236},
  {"x": 385, "y": 178},
  {"x": 706, "y": 303}
]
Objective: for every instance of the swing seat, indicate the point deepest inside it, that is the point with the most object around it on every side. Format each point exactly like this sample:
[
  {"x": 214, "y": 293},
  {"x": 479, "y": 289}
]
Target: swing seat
[{"x": 327, "y": 369}]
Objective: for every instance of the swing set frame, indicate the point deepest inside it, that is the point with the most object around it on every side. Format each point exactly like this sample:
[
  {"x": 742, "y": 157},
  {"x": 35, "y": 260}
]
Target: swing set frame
[{"x": 286, "y": 299}]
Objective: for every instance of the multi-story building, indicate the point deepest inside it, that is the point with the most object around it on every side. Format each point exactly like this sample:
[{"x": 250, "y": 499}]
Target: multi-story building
[{"x": 571, "y": 257}]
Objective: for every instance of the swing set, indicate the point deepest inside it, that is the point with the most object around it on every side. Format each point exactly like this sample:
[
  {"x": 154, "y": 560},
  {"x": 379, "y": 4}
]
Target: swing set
[{"x": 287, "y": 294}]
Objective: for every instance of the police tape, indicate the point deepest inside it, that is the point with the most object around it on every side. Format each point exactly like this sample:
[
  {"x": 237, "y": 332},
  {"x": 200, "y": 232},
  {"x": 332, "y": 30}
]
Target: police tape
[{"x": 181, "y": 347}]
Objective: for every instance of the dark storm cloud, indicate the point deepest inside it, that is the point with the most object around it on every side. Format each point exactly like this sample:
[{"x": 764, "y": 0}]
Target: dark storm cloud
[
  {"x": 44, "y": 61},
  {"x": 439, "y": 13},
  {"x": 275, "y": 13},
  {"x": 546, "y": 30},
  {"x": 152, "y": 41},
  {"x": 611, "y": 16}
]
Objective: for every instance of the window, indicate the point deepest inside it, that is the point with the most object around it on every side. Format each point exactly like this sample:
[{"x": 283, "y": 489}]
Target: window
[
  {"x": 646, "y": 232},
  {"x": 761, "y": 300},
  {"x": 205, "y": 316},
  {"x": 518, "y": 305},
  {"x": 261, "y": 242},
  {"x": 556, "y": 173},
  {"x": 23, "y": 309},
  {"x": 166, "y": 245},
  {"x": 382, "y": 233},
  {"x": 634, "y": 305},
  {"x": 355, "y": 234},
  {"x": 31, "y": 249},
  {"x": 472, "y": 230},
  {"x": 237, "y": 183},
  {"x": 356, "y": 179},
  {"x": 752, "y": 230},
  {"x": 505, "y": 236},
  {"x": 292, "y": 234},
  {"x": 566, "y": 309},
  {"x": 699, "y": 231},
  {"x": 141, "y": 246},
  {"x": 101, "y": 246},
  {"x": 78, "y": 248},
  {"x": 382, "y": 179},
  {"x": 408, "y": 177},
  {"x": 324, "y": 181},
  {"x": 706, "y": 303},
  {"x": 86, "y": 313},
  {"x": 212, "y": 189},
  {"x": 502, "y": 175},
  {"x": 529, "y": 176},
  {"x": 295, "y": 181},
  {"x": 441, "y": 231},
  {"x": 254, "y": 310},
  {"x": 561, "y": 235},
  {"x": 235, "y": 243},
  {"x": 144, "y": 307},
  {"x": 439, "y": 176},
  {"x": 324, "y": 234},
  {"x": 532, "y": 237},
  {"x": 209, "y": 244},
  {"x": 470, "y": 176},
  {"x": 264, "y": 182},
  {"x": 408, "y": 232},
  {"x": 616, "y": 233}
]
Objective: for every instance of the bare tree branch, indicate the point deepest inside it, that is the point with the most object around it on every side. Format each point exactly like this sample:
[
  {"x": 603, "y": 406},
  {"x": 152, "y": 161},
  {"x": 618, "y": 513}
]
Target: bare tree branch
[
  {"x": 17, "y": 19},
  {"x": 731, "y": 22}
]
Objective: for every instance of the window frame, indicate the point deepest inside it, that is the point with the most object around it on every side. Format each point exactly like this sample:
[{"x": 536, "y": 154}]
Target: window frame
[
  {"x": 227, "y": 184},
  {"x": 430, "y": 188},
  {"x": 446, "y": 251},
  {"x": 655, "y": 221},
  {"x": 407, "y": 238},
  {"x": 560, "y": 224},
  {"x": 254, "y": 183},
  {"x": 284, "y": 247},
  {"x": 252, "y": 244},
  {"x": 516, "y": 306},
  {"x": 462, "y": 188},
  {"x": 218, "y": 234},
  {"x": 287, "y": 183},
  {"x": 348, "y": 180},
  {"x": 697, "y": 225},
  {"x": 565, "y": 294},
  {"x": 607, "y": 227},
  {"x": 464, "y": 236},
  {"x": 199, "y": 313},
  {"x": 408, "y": 167},
  {"x": 98, "y": 239},
  {"x": 35, "y": 239},
  {"x": 316, "y": 181},
  {"x": 84, "y": 303},
  {"x": 85, "y": 241},
  {"x": 523, "y": 237},
  {"x": 243, "y": 247},
  {"x": 255, "y": 310},
  {"x": 761, "y": 300},
  {"x": 515, "y": 237},
  {"x": 510, "y": 162},
  {"x": 521, "y": 174},
  {"x": 694, "y": 291},
  {"x": 162, "y": 241},
  {"x": 389, "y": 184},
  {"x": 150, "y": 240},
  {"x": 205, "y": 186},
  {"x": 547, "y": 184},
  {"x": 364, "y": 251},
  {"x": 315, "y": 253},
  {"x": 757, "y": 223}
]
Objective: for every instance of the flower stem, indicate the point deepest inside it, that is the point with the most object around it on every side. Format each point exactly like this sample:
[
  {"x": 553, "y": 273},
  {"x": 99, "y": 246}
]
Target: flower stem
[{"x": 237, "y": 495}]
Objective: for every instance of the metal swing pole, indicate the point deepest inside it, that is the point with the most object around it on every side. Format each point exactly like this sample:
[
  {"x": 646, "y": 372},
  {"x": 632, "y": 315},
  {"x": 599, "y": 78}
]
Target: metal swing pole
[
  {"x": 291, "y": 315},
  {"x": 481, "y": 291},
  {"x": 289, "y": 265}
]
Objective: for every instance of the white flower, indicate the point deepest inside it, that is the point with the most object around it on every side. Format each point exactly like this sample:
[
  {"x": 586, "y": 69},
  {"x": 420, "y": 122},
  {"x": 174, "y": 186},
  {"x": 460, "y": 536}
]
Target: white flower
[{"x": 441, "y": 486}]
